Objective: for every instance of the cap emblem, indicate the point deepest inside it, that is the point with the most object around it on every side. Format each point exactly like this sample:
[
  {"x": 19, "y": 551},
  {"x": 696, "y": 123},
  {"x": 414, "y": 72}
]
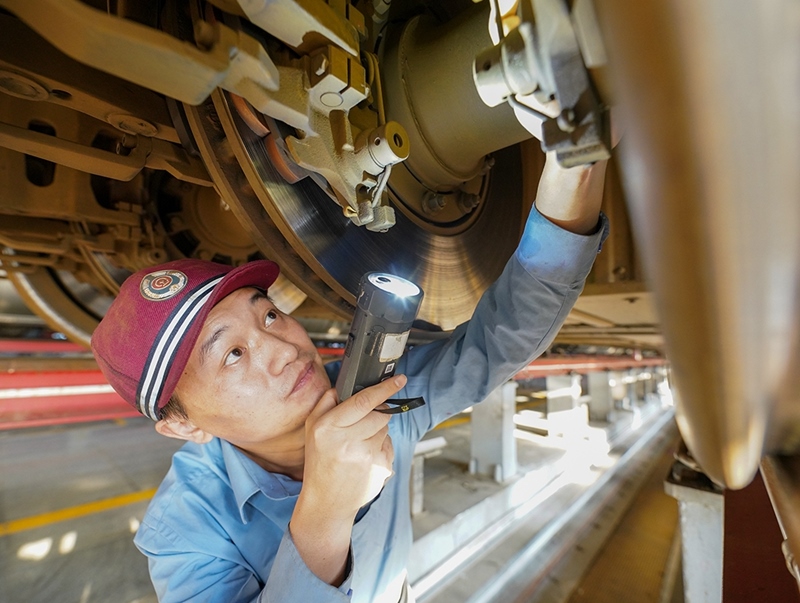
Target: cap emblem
[{"x": 161, "y": 285}]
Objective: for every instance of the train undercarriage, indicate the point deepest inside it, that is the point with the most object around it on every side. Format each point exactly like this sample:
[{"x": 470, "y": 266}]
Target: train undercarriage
[{"x": 341, "y": 137}]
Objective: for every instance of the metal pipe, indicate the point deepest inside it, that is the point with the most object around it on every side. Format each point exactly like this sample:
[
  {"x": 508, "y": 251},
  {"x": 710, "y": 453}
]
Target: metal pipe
[
  {"x": 32, "y": 246},
  {"x": 24, "y": 263},
  {"x": 71, "y": 154}
]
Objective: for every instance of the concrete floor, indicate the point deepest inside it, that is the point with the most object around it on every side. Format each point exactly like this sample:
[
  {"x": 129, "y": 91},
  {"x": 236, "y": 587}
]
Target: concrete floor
[
  {"x": 105, "y": 472},
  {"x": 88, "y": 558},
  {"x": 567, "y": 504}
]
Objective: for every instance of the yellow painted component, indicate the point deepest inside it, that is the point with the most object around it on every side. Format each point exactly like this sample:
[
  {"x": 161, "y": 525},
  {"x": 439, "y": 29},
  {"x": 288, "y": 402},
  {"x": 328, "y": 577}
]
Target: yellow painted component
[{"x": 305, "y": 24}]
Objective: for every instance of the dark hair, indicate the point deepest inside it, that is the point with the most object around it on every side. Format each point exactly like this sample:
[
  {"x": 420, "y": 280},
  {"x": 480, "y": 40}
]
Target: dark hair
[{"x": 173, "y": 409}]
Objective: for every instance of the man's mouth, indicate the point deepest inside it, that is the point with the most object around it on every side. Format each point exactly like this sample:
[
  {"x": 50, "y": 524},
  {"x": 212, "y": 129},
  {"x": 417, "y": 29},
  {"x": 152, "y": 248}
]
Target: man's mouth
[{"x": 306, "y": 373}]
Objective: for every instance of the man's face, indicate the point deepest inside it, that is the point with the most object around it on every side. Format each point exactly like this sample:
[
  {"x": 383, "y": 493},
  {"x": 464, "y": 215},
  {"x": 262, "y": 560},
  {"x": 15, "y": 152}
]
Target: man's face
[{"x": 253, "y": 376}]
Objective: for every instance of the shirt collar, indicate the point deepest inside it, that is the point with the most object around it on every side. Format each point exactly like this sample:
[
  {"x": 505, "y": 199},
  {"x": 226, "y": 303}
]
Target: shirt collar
[{"x": 248, "y": 479}]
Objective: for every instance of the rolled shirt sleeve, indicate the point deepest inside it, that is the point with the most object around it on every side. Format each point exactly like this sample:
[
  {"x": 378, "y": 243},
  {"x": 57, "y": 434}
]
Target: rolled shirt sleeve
[
  {"x": 516, "y": 320},
  {"x": 291, "y": 580}
]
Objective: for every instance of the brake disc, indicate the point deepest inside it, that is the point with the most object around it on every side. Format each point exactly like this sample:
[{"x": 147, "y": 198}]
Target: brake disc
[{"x": 325, "y": 255}]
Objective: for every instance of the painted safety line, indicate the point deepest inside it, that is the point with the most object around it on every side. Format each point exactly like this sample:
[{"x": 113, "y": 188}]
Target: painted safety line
[
  {"x": 46, "y": 392},
  {"x": 452, "y": 422},
  {"x": 45, "y": 519}
]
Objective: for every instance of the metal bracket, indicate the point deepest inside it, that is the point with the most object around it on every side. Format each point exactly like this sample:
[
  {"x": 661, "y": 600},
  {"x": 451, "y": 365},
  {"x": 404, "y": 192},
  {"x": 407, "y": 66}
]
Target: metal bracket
[
  {"x": 145, "y": 56},
  {"x": 314, "y": 94},
  {"x": 144, "y": 152},
  {"x": 540, "y": 64}
]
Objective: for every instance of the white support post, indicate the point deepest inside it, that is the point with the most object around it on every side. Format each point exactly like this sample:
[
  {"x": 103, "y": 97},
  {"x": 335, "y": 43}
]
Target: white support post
[
  {"x": 493, "y": 448},
  {"x": 601, "y": 402},
  {"x": 424, "y": 449},
  {"x": 633, "y": 388},
  {"x": 702, "y": 511},
  {"x": 564, "y": 413},
  {"x": 417, "y": 484}
]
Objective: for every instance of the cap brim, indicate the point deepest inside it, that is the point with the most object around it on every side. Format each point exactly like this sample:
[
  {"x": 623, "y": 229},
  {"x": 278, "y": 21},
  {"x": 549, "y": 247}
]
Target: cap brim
[{"x": 260, "y": 273}]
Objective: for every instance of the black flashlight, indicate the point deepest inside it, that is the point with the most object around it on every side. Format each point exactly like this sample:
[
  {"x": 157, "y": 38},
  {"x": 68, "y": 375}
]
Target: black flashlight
[{"x": 386, "y": 307}]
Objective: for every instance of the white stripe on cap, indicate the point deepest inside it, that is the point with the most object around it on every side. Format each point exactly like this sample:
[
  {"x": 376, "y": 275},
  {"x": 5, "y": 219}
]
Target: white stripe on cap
[{"x": 155, "y": 372}]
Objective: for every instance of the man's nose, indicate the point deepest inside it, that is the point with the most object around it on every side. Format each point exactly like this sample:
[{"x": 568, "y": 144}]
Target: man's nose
[{"x": 276, "y": 352}]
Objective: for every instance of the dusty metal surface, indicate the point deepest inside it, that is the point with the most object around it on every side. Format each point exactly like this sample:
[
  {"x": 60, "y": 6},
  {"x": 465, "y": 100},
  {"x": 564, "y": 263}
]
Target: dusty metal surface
[{"x": 452, "y": 234}]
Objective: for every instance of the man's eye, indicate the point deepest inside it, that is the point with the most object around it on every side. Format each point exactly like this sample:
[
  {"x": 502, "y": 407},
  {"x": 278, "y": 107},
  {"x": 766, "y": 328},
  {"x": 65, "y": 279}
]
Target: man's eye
[
  {"x": 272, "y": 316},
  {"x": 233, "y": 355}
]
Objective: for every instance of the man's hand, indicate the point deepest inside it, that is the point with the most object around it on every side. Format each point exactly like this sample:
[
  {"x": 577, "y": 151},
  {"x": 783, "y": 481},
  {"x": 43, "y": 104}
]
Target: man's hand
[
  {"x": 348, "y": 448},
  {"x": 348, "y": 458}
]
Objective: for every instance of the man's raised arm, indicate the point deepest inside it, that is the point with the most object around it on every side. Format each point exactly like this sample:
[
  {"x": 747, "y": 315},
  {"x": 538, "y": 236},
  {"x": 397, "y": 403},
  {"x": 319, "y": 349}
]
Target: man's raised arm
[{"x": 571, "y": 198}]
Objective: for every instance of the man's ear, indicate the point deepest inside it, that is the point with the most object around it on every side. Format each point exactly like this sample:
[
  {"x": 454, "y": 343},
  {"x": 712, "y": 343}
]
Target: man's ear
[{"x": 182, "y": 429}]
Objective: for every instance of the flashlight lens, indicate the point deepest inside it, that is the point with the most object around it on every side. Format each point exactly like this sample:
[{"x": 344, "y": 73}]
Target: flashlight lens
[{"x": 394, "y": 284}]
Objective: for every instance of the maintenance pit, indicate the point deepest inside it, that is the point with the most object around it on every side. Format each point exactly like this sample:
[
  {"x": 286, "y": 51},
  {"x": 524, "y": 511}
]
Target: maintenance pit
[
  {"x": 73, "y": 495},
  {"x": 553, "y": 489}
]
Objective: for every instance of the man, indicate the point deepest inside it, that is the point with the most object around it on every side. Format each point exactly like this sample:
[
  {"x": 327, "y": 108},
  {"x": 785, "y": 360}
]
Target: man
[{"x": 281, "y": 494}]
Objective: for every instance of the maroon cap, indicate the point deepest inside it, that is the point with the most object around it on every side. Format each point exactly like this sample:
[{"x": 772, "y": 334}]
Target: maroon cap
[{"x": 144, "y": 341}]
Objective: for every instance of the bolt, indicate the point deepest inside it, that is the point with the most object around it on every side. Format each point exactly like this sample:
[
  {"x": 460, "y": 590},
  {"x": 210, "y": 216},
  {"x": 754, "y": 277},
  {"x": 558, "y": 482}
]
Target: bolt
[
  {"x": 132, "y": 125},
  {"x": 467, "y": 202},
  {"x": 205, "y": 35},
  {"x": 156, "y": 256},
  {"x": 566, "y": 120},
  {"x": 433, "y": 203},
  {"x": 322, "y": 66},
  {"x": 126, "y": 145}
]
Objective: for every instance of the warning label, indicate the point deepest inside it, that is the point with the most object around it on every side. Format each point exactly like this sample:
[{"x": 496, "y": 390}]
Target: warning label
[{"x": 393, "y": 346}]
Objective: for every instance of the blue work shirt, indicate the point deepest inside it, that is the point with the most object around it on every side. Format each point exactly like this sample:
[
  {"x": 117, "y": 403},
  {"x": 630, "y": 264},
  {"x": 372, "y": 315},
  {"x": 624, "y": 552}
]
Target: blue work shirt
[{"x": 217, "y": 529}]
